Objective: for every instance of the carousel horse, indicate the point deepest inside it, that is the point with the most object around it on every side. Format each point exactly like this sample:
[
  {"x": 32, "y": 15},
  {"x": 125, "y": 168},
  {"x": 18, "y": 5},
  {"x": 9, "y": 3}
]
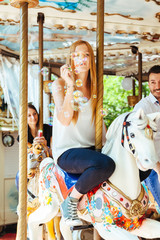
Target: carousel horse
[
  {"x": 35, "y": 154},
  {"x": 117, "y": 207}
]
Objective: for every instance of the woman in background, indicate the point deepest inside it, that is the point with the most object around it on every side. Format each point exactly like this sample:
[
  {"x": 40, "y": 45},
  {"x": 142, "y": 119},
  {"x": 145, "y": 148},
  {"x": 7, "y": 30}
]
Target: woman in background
[{"x": 33, "y": 128}]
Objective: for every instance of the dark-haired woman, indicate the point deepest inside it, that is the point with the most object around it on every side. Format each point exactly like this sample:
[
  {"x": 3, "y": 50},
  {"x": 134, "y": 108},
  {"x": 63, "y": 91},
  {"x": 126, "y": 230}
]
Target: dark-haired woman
[{"x": 33, "y": 128}]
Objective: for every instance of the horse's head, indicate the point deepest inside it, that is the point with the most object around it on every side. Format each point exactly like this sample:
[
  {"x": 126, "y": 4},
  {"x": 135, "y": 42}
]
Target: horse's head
[
  {"x": 137, "y": 137},
  {"x": 36, "y": 153}
]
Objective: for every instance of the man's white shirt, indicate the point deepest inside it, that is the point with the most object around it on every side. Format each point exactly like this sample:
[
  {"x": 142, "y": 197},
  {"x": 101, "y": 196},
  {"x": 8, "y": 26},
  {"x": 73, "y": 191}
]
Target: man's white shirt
[{"x": 150, "y": 105}]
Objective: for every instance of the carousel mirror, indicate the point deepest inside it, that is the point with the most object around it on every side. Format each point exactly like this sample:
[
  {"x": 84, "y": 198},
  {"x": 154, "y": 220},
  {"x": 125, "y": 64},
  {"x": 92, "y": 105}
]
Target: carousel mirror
[{"x": 7, "y": 139}]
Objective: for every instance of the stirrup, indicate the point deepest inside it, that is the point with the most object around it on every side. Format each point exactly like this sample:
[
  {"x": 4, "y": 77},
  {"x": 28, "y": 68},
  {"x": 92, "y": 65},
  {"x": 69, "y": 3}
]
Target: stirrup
[{"x": 81, "y": 227}]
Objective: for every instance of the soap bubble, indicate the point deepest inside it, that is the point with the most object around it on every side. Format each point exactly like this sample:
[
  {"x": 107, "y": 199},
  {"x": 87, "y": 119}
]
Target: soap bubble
[
  {"x": 76, "y": 95},
  {"x": 75, "y": 105},
  {"x": 51, "y": 107},
  {"x": 79, "y": 83},
  {"x": 50, "y": 120},
  {"x": 83, "y": 101},
  {"x": 45, "y": 71},
  {"x": 103, "y": 112}
]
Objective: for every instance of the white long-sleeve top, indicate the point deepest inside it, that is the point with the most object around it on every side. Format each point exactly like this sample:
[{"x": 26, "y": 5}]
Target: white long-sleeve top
[{"x": 80, "y": 135}]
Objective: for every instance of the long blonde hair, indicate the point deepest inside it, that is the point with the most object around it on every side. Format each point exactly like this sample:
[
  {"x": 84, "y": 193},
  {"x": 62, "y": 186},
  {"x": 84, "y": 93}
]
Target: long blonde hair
[{"x": 91, "y": 77}]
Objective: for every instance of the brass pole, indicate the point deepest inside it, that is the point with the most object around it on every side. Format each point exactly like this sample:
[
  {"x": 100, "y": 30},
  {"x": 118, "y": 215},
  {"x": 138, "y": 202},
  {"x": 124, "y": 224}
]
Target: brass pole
[
  {"x": 40, "y": 20},
  {"x": 23, "y": 99},
  {"x": 99, "y": 61},
  {"x": 140, "y": 74},
  {"x": 99, "y": 64}
]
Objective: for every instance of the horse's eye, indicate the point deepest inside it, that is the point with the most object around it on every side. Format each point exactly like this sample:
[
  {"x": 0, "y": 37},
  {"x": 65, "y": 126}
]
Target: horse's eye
[{"x": 132, "y": 135}]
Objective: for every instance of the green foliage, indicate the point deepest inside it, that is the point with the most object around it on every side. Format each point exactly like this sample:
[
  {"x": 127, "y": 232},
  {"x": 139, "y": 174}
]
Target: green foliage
[
  {"x": 145, "y": 89},
  {"x": 115, "y": 98}
]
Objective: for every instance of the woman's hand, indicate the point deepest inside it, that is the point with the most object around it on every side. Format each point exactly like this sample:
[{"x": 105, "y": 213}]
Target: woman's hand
[
  {"x": 66, "y": 74},
  {"x": 40, "y": 140},
  {"x": 43, "y": 142}
]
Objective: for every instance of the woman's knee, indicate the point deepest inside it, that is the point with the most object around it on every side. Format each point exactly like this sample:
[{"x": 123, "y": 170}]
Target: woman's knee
[{"x": 106, "y": 162}]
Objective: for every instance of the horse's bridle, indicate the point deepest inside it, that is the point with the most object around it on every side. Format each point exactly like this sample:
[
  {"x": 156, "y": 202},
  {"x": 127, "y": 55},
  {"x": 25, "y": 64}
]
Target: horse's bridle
[{"x": 125, "y": 127}]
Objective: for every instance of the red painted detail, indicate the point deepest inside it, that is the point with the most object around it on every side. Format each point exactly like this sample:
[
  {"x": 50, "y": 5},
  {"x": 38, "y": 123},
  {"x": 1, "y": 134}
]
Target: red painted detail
[{"x": 64, "y": 190}]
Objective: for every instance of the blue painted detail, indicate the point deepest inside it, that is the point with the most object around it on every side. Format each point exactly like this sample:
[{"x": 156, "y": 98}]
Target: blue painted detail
[
  {"x": 69, "y": 178},
  {"x": 99, "y": 203},
  {"x": 67, "y": 5}
]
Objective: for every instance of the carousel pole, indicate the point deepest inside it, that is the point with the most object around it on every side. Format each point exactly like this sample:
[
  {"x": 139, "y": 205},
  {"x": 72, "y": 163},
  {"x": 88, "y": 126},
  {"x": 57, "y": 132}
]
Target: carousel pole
[
  {"x": 140, "y": 74},
  {"x": 99, "y": 58},
  {"x": 40, "y": 20},
  {"x": 23, "y": 99}
]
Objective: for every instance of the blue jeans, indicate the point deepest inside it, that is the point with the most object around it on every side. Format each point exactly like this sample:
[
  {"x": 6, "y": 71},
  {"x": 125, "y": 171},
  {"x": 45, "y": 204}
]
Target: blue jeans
[
  {"x": 154, "y": 186},
  {"x": 93, "y": 167}
]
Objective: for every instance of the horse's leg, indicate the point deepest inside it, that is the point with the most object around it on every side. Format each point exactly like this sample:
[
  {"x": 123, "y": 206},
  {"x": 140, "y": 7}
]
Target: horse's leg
[
  {"x": 50, "y": 230},
  {"x": 42, "y": 215},
  {"x": 57, "y": 227},
  {"x": 65, "y": 230},
  {"x": 149, "y": 229},
  {"x": 113, "y": 233}
]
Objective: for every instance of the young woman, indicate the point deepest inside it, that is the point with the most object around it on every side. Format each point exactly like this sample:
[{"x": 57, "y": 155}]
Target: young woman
[
  {"x": 33, "y": 127},
  {"x": 74, "y": 127}
]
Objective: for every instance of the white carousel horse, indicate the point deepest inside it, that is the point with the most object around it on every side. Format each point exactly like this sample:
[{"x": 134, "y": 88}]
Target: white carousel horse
[
  {"x": 36, "y": 153},
  {"x": 117, "y": 207}
]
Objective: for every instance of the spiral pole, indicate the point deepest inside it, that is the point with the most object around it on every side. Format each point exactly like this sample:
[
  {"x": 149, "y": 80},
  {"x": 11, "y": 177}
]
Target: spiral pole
[
  {"x": 23, "y": 99},
  {"x": 99, "y": 58}
]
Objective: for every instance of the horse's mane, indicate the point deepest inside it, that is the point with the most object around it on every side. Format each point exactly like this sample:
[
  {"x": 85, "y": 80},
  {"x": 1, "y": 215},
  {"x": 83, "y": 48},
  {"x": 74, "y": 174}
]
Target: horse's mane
[
  {"x": 115, "y": 125},
  {"x": 114, "y": 129}
]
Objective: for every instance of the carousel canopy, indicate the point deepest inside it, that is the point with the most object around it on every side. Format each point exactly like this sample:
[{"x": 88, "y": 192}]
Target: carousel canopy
[{"x": 127, "y": 23}]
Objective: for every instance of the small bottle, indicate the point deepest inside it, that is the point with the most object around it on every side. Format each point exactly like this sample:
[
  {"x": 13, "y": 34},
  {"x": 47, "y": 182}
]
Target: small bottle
[{"x": 40, "y": 133}]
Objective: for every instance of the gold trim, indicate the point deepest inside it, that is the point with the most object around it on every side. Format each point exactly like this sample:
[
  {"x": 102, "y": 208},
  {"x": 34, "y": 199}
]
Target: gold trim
[
  {"x": 121, "y": 15},
  {"x": 158, "y": 16},
  {"x": 83, "y": 211},
  {"x": 136, "y": 208},
  {"x": 149, "y": 132},
  {"x": 156, "y": 1},
  {"x": 17, "y": 3}
]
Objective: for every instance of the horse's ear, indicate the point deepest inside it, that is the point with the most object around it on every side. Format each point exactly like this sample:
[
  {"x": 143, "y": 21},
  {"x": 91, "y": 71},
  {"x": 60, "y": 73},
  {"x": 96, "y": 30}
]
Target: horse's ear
[
  {"x": 140, "y": 114},
  {"x": 154, "y": 116}
]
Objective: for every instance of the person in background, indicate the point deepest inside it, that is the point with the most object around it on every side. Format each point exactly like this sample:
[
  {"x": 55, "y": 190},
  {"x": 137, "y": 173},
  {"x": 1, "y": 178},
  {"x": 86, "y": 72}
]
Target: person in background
[
  {"x": 33, "y": 128},
  {"x": 151, "y": 104},
  {"x": 74, "y": 127}
]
